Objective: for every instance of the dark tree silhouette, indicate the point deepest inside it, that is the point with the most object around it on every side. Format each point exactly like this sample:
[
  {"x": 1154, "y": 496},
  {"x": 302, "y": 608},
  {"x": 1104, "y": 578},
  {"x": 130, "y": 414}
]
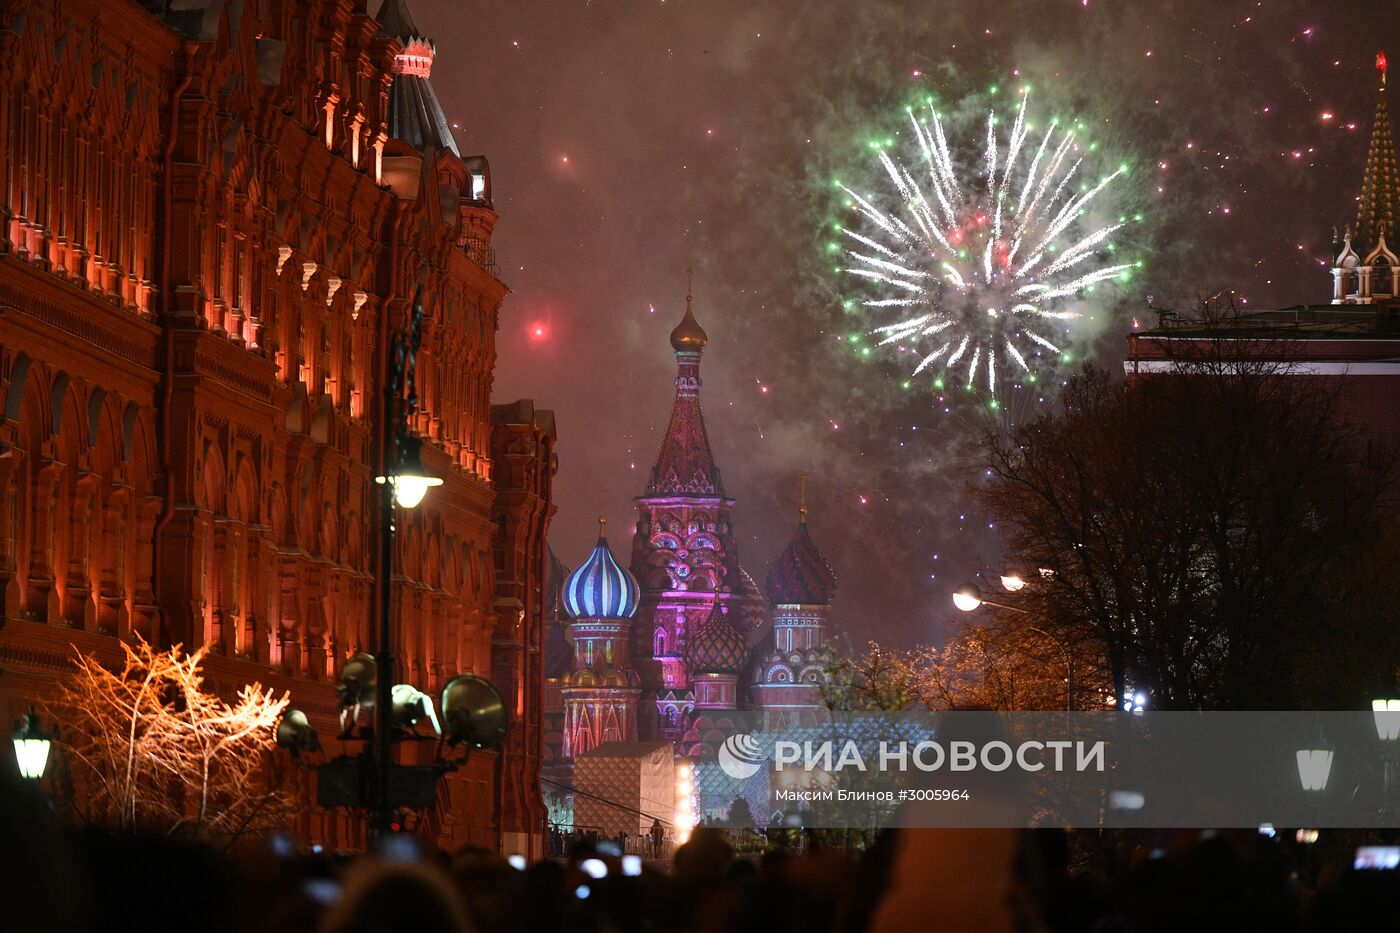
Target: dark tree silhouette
[{"x": 1214, "y": 532}]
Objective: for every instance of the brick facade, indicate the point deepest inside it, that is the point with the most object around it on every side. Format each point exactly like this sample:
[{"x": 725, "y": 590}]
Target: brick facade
[{"x": 207, "y": 234}]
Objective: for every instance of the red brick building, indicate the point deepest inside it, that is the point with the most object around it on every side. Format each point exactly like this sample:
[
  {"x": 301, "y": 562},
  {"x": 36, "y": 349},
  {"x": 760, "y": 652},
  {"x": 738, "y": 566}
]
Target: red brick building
[
  {"x": 1351, "y": 344},
  {"x": 212, "y": 216}
]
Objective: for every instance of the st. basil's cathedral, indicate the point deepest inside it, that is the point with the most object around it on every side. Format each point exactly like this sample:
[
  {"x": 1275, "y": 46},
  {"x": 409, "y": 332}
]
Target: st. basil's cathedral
[{"x": 658, "y": 659}]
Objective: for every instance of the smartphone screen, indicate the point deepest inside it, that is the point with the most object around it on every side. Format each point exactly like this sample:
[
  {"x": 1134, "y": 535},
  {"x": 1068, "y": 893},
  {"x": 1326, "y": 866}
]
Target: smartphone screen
[
  {"x": 1377, "y": 857},
  {"x": 400, "y": 847},
  {"x": 324, "y": 891}
]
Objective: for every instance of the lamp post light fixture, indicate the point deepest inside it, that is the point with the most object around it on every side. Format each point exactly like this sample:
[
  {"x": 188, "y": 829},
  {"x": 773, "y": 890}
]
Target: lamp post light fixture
[
  {"x": 32, "y": 745},
  {"x": 968, "y": 597},
  {"x": 472, "y": 708},
  {"x": 1014, "y": 578},
  {"x": 1314, "y": 767},
  {"x": 403, "y": 481},
  {"x": 1387, "y": 713},
  {"x": 410, "y": 480}
]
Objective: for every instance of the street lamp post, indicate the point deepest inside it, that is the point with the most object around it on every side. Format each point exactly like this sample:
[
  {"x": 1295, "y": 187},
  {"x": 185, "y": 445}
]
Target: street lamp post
[
  {"x": 1387, "y": 715},
  {"x": 403, "y": 482},
  {"x": 968, "y": 597},
  {"x": 32, "y": 745}
]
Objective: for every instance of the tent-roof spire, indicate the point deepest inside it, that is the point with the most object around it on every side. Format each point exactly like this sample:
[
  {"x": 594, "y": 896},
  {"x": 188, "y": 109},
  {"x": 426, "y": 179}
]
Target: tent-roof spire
[{"x": 1380, "y": 187}]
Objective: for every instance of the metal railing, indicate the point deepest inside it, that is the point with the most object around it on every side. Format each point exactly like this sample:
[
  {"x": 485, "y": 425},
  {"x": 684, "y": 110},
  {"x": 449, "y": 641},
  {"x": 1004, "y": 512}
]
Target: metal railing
[{"x": 481, "y": 252}]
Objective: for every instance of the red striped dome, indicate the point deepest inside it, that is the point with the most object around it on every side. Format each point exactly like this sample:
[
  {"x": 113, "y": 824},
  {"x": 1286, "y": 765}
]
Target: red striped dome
[{"x": 801, "y": 574}]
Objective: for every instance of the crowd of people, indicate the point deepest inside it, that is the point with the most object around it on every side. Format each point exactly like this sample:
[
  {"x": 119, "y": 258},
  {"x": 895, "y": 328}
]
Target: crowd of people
[
  {"x": 656, "y": 843},
  {"x": 56, "y": 881}
]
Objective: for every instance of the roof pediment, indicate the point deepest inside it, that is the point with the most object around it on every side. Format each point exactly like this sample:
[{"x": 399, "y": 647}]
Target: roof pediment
[{"x": 1381, "y": 250}]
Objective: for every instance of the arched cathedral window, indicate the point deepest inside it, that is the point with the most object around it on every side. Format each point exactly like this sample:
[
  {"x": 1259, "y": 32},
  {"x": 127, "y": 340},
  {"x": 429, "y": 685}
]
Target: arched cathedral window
[{"x": 1381, "y": 281}]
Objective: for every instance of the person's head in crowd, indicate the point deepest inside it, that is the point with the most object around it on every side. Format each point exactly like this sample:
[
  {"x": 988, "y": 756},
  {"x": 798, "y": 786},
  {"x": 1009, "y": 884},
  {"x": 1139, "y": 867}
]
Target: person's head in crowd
[
  {"x": 703, "y": 857},
  {"x": 491, "y": 889},
  {"x": 385, "y": 897}
]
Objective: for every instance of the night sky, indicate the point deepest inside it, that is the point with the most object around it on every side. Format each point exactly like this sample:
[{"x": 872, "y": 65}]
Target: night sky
[{"x": 629, "y": 140}]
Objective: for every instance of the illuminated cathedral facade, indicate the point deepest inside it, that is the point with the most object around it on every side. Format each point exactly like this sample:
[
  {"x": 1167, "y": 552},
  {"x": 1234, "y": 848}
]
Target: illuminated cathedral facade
[{"x": 672, "y": 647}]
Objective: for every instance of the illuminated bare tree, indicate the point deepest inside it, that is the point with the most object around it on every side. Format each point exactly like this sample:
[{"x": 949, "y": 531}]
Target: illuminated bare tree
[
  {"x": 158, "y": 751},
  {"x": 1003, "y": 665}
]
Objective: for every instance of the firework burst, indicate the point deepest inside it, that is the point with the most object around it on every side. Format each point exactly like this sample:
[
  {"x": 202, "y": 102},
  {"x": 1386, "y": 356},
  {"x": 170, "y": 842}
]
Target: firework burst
[{"x": 982, "y": 273}]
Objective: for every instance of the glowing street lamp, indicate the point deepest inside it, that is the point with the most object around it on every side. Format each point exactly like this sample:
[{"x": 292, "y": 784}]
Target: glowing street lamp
[
  {"x": 1014, "y": 579},
  {"x": 1314, "y": 767},
  {"x": 967, "y": 597},
  {"x": 411, "y": 480},
  {"x": 32, "y": 746},
  {"x": 1387, "y": 713}
]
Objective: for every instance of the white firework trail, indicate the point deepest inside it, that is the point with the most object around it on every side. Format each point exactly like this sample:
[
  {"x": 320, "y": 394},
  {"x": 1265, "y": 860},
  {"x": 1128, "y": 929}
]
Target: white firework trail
[{"x": 964, "y": 261}]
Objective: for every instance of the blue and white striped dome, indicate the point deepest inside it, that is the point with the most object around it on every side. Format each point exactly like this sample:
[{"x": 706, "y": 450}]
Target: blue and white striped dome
[{"x": 601, "y": 588}]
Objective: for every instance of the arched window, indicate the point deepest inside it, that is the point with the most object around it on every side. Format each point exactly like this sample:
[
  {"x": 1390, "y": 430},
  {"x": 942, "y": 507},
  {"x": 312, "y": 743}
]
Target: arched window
[
  {"x": 1381, "y": 279},
  {"x": 658, "y": 645}
]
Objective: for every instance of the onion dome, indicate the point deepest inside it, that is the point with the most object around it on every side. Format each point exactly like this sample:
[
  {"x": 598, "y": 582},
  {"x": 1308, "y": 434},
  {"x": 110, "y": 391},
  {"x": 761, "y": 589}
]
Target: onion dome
[
  {"x": 601, "y": 588},
  {"x": 801, "y": 574},
  {"x": 751, "y": 608},
  {"x": 717, "y": 647},
  {"x": 689, "y": 335}
]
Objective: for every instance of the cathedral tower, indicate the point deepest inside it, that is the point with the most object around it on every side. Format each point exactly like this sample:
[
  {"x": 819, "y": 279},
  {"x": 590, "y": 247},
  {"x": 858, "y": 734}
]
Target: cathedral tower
[
  {"x": 683, "y": 552},
  {"x": 600, "y": 696},
  {"x": 801, "y": 585}
]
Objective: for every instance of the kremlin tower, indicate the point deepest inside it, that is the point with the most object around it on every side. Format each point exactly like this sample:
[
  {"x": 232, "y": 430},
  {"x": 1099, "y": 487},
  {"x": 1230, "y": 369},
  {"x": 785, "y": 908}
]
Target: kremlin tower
[{"x": 1366, "y": 268}]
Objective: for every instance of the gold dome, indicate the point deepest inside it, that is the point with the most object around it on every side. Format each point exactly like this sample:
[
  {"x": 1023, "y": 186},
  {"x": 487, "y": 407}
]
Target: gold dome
[{"x": 689, "y": 335}]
